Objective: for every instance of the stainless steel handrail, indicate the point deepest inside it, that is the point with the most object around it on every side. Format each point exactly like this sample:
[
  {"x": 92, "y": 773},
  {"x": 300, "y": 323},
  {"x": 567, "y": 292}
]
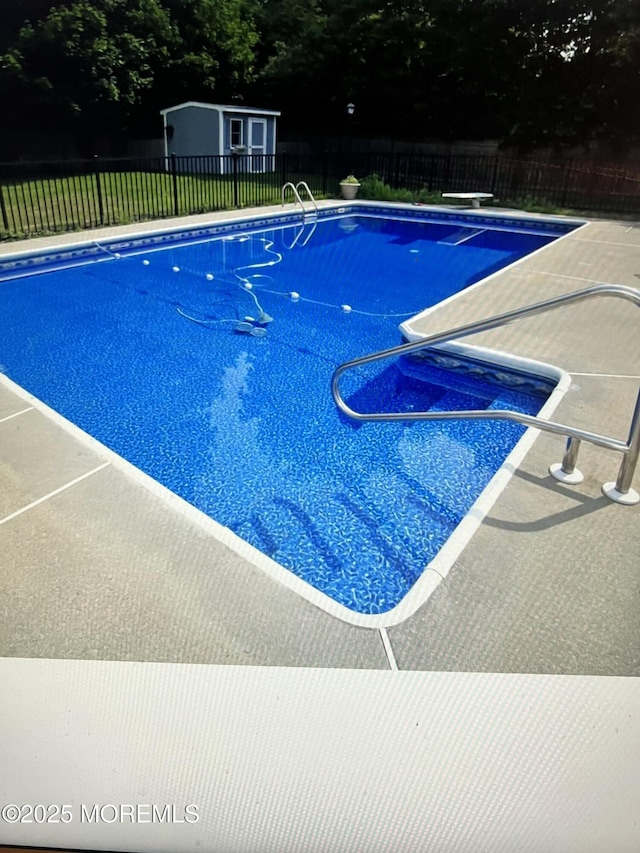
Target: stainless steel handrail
[
  {"x": 305, "y": 186},
  {"x": 297, "y": 198},
  {"x": 295, "y": 193},
  {"x": 620, "y": 491}
]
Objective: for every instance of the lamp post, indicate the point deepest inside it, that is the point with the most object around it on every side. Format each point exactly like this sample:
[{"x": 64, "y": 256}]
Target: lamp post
[{"x": 351, "y": 108}]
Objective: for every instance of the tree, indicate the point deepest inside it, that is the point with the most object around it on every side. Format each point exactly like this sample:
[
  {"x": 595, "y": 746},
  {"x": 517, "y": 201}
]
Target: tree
[
  {"x": 544, "y": 72},
  {"x": 565, "y": 85},
  {"x": 87, "y": 64},
  {"x": 414, "y": 68},
  {"x": 212, "y": 55},
  {"x": 14, "y": 14},
  {"x": 615, "y": 93},
  {"x": 96, "y": 62},
  {"x": 88, "y": 55},
  {"x": 536, "y": 73}
]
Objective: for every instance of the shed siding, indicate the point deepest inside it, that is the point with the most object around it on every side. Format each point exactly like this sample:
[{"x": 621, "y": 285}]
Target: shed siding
[
  {"x": 271, "y": 127},
  {"x": 195, "y": 132}
]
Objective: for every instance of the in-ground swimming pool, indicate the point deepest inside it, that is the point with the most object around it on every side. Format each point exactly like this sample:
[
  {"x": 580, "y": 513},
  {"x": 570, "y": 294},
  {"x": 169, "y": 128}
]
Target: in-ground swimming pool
[{"x": 205, "y": 359}]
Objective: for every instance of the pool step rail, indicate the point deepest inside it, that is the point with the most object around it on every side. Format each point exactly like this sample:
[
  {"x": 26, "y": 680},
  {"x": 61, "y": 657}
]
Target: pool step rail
[
  {"x": 309, "y": 215},
  {"x": 296, "y": 189},
  {"x": 619, "y": 491}
]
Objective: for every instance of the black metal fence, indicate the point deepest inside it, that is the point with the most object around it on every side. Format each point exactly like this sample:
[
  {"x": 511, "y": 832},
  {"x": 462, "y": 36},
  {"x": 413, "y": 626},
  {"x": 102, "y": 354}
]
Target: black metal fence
[
  {"x": 40, "y": 198},
  {"x": 47, "y": 197},
  {"x": 574, "y": 184}
]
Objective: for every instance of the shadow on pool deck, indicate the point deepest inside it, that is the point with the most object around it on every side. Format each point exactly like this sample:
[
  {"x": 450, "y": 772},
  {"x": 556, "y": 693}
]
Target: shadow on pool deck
[{"x": 94, "y": 565}]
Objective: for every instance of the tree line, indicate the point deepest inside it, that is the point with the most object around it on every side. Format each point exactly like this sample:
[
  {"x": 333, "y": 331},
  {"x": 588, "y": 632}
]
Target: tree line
[{"x": 526, "y": 72}]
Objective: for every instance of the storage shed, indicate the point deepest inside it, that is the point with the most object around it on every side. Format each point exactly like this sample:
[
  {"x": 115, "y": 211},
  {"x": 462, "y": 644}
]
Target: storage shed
[{"x": 194, "y": 129}]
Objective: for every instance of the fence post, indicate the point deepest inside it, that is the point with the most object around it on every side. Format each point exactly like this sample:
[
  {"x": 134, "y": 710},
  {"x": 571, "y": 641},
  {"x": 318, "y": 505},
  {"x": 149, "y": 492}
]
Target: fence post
[
  {"x": 96, "y": 172},
  {"x": 174, "y": 181},
  {"x": 432, "y": 163},
  {"x": 448, "y": 172},
  {"x": 494, "y": 176},
  {"x": 234, "y": 160},
  {"x": 396, "y": 171},
  {"x": 284, "y": 167},
  {"x": 567, "y": 178},
  {"x": 324, "y": 172},
  {"x": 5, "y": 218}
]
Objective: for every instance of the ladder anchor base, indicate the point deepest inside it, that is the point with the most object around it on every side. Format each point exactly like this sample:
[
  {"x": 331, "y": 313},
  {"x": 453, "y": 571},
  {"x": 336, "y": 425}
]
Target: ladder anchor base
[
  {"x": 629, "y": 498},
  {"x": 571, "y": 479}
]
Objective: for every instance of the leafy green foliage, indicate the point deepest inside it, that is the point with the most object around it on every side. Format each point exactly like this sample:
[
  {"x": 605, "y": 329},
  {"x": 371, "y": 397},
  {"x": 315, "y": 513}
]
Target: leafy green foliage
[
  {"x": 97, "y": 60},
  {"x": 373, "y": 188},
  {"x": 212, "y": 50},
  {"x": 91, "y": 54},
  {"x": 535, "y": 73}
]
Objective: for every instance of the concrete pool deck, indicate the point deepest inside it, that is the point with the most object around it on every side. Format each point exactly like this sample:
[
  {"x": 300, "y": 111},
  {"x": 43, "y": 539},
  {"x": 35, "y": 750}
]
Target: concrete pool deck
[{"x": 96, "y": 565}]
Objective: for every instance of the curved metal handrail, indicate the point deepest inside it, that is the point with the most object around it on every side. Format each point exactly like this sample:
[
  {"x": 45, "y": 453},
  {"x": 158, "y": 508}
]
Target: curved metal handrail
[
  {"x": 305, "y": 186},
  {"x": 297, "y": 198},
  {"x": 629, "y": 449},
  {"x": 296, "y": 194}
]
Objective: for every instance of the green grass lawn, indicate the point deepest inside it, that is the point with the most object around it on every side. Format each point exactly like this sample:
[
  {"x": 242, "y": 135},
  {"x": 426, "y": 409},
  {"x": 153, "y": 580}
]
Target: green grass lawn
[{"x": 50, "y": 205}]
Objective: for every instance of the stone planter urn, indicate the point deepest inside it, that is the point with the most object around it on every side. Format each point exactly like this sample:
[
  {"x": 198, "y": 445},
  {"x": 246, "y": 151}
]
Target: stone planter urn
[{"x": 349, "y": 187}]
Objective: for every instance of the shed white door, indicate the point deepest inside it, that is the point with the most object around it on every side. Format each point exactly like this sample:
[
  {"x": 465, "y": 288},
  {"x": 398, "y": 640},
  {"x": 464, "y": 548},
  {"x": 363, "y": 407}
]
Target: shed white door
[{"x": 257, "y": 144}]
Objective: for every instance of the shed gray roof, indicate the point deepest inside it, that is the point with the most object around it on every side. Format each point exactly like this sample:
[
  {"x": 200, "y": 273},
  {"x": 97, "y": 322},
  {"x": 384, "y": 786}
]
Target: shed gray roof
[{"x": 222, "y": 108}]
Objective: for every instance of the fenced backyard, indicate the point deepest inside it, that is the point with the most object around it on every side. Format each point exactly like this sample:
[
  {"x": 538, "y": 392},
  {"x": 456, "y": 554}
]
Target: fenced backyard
[{"x": 49, "y": 197}]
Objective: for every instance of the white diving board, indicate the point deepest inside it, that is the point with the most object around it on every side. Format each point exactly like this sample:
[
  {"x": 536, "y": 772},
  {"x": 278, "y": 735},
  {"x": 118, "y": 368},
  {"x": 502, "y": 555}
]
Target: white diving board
[{"x": 474, "y": 198}]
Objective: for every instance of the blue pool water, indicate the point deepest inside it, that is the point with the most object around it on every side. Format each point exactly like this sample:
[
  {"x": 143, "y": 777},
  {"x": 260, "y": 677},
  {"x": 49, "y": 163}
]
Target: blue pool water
[{"x": 148, "y": 360}]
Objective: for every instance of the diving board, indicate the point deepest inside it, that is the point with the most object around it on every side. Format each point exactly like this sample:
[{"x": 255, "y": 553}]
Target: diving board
[{"x": 474, "y": 198}]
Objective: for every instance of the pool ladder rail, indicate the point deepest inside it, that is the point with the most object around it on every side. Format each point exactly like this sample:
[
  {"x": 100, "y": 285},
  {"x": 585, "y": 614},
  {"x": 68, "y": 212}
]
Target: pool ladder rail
[
  {"x": 308, "y": 216},
  {"x": 566, "y": 471}
]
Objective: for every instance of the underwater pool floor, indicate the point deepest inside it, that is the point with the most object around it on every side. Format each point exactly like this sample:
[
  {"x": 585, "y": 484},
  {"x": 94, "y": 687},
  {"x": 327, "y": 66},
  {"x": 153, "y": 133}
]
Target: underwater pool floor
[{"x": 106, "y": 568}]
